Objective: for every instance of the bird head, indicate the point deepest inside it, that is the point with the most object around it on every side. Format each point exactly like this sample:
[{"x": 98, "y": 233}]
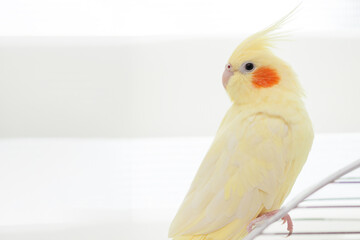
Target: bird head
[{"x": 253, "y": 72}]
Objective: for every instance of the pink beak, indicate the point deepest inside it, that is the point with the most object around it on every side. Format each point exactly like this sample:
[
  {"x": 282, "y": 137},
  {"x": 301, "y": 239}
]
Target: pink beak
[{"x": 226, "y": 76}]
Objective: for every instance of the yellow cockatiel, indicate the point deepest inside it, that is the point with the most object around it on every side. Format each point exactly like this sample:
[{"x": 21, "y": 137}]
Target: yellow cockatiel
[{"x": 258, "y": 151}]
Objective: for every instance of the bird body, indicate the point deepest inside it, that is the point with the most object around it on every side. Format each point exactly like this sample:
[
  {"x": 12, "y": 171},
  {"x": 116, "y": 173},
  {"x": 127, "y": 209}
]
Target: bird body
[{"x": 258, "y": 151}]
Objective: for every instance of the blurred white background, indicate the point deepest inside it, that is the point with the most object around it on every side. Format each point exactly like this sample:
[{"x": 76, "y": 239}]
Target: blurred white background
[
  {"x": 107, "y": 107},
  {"x": 153, "y": 68}
]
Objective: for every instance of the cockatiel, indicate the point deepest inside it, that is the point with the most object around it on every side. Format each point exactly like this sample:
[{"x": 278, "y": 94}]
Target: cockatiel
[{"x": 258, "y": 151}]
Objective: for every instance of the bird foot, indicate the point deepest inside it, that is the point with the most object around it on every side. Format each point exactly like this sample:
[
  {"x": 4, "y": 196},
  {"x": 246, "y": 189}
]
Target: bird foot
[
  {"x": 256, "y": 221},
  {"x": 287, "y": 219}
]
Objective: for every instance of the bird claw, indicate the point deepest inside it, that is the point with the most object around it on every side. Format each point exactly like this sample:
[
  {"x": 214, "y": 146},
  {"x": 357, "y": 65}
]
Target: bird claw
[
  {"x": 286, "y": 219},
  {"x": 253, "y": 223},
  {"x": 250, "y": 227}
]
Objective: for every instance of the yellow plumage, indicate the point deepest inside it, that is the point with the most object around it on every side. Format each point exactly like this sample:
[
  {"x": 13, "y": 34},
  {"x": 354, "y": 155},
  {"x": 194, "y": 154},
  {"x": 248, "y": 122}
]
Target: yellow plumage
[{"x": 258, "y": 151}]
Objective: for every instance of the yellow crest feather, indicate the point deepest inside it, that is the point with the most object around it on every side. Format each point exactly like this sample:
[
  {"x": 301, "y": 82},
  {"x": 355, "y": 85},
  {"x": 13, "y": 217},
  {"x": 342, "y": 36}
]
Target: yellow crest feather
[{"x": 269, "y": 35}]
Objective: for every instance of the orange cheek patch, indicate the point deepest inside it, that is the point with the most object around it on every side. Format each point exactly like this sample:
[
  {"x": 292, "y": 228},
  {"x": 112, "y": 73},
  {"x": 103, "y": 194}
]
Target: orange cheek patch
[{"x": 265, "y": 77}]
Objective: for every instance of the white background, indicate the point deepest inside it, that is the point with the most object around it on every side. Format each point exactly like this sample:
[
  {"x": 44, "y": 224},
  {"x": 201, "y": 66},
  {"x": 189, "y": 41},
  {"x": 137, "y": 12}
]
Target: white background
[
  {"x": 153, "y": 68},
  {"x": 163, "y": 17}
]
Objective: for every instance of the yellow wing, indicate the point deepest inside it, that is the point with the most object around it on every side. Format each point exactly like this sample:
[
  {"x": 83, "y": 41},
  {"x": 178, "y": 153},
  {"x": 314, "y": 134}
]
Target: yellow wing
[{"x": 239, "y": 177}]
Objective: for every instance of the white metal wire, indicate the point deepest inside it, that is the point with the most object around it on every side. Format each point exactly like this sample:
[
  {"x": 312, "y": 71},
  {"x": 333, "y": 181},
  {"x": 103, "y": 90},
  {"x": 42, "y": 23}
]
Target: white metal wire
[{"x": 351, "y": 203}]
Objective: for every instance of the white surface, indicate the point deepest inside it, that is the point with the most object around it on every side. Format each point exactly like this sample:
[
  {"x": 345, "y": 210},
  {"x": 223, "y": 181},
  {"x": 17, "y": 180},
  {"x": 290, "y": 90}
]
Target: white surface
[
  {"x": 158, "y": 86},
  {"x": 143, "y": 17},
  {"x": 117, "y": 189}
]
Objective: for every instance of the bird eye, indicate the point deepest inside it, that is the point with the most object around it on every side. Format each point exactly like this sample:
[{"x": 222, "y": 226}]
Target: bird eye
[{"x": 247, "y": 67}]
